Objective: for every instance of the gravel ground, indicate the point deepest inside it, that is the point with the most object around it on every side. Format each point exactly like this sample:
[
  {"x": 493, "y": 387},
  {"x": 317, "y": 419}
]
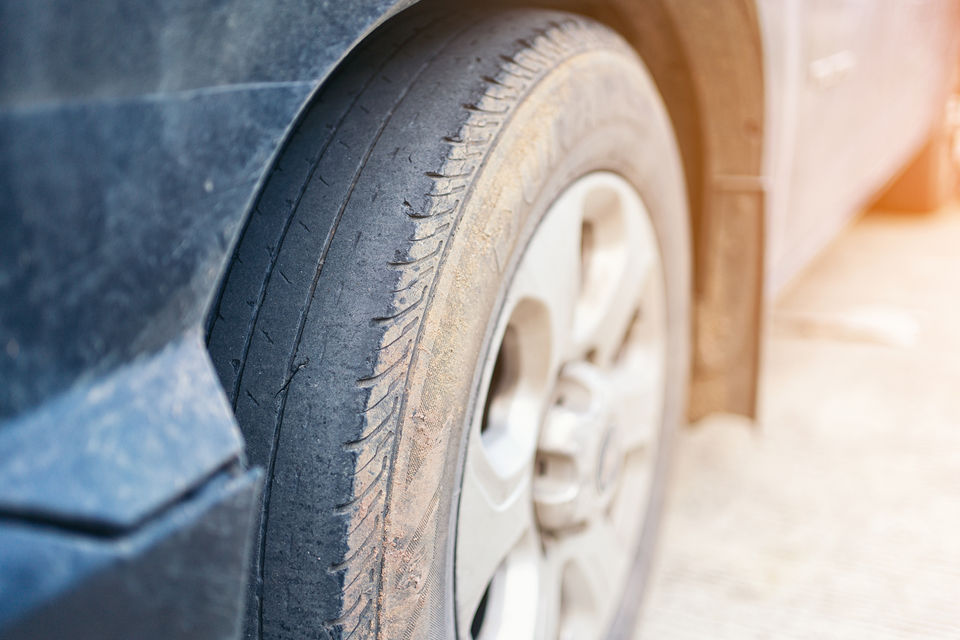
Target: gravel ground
[{"x": 838, "y": 515}]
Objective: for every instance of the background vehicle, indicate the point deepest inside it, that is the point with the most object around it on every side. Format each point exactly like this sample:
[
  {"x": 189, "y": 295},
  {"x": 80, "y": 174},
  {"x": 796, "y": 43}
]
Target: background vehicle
[{"x": 144, "y": 152}]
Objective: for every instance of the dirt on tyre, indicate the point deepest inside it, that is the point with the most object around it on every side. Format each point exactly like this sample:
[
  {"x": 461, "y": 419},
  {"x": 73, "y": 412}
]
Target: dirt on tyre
[{"x": 455, "y": 333}]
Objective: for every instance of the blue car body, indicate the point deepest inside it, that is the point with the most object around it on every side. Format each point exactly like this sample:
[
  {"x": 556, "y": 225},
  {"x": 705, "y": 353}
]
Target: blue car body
[{"x": 133, "y": 137}]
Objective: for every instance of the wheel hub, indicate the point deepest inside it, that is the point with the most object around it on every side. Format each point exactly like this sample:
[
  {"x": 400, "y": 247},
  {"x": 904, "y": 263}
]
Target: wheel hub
[{"x": 577, "y": 458}]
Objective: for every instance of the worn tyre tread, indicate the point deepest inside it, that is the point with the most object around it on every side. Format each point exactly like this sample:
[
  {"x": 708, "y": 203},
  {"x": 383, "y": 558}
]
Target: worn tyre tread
[{"x": 257, "y": 335}]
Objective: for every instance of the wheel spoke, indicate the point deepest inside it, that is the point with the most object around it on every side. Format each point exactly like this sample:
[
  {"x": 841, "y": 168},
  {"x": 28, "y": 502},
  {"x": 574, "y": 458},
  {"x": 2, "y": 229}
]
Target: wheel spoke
[
  {"x": 495, "y": 513},
  {"x": 618, "y": 266},
  {"x": 638, "y": 383},
  {"x": 600, "y": 556},
  {"x": 594, "y": 562},
  {"x": 551, "y": 582},
  {"x": 650, "y": 321},
  {"x": 638, "y": 373},
  {"x": 549, "y": 274},
  {"x": 624, "y": 311}
]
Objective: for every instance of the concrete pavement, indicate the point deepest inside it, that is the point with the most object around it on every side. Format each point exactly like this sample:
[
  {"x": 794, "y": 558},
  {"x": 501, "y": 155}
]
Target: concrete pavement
[{"x": 839, "y": 515}]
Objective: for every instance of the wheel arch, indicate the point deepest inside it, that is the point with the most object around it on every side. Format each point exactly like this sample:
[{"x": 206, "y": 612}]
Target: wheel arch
[{"x": 706, "y": 58}]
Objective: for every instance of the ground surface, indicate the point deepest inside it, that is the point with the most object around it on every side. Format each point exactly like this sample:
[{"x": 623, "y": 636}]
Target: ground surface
[{"x": 839, "y": 515}]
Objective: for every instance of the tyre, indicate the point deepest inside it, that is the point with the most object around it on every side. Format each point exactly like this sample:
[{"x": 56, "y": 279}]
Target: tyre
[{"x": 455, "y": 333}]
